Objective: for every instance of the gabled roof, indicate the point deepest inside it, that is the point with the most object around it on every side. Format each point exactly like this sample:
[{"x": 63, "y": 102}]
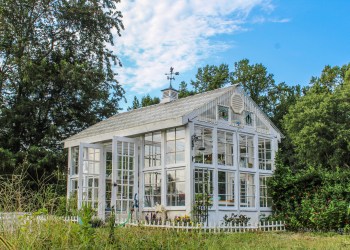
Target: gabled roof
[
  {"x": 157, "y": 117},
  {"x": 151, "y": 114}
]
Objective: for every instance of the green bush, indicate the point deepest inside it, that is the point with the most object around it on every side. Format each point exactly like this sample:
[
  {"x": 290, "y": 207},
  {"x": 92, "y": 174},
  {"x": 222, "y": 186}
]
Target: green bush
[
  {"x": 236, "y": 219},
  {"x": 313, "y": 198}
]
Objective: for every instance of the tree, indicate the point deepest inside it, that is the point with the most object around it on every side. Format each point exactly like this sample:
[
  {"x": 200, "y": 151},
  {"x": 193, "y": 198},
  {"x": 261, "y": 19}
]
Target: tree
[
  {"x": 256, "y": 81},
  {"x": 319, "y": 122},
  {"x": 210, "y": 78},
  {"x": 56, "y": 74},
  {"x": 146, "y": 100},
  {"x": 183, "y": 91},
  {"x": 135, "y": 104}
]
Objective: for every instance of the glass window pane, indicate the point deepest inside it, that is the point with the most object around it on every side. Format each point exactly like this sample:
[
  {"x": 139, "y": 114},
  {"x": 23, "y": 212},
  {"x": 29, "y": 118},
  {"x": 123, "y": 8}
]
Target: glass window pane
[
  {"x": 180, "y": 157},
  {"x": 180, "y": 145},
  {"x": 170, "y": 136},
  {"x": 180, "y": 133},
  {"x": 170, "y": 146}
]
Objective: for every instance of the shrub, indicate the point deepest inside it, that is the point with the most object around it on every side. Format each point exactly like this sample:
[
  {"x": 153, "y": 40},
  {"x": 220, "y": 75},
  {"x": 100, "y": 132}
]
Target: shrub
[
  {"x": 313, "y": 199},
  {"x": 236, "y": 219}
]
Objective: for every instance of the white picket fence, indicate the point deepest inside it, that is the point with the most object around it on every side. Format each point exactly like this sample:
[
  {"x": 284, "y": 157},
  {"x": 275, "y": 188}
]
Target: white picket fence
[
  {"x": 266, "y": 226},
  {"x": 12, "y": 221}
]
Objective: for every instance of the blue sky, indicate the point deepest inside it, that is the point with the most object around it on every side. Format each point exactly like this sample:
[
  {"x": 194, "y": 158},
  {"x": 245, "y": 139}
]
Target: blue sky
[{"x": 294, "y": 39}]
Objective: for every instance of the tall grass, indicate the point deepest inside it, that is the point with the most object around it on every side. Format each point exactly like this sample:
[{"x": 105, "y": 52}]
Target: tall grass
[
  {"x": 17, "y": 194},
  {"x": 55, "y": 234}
]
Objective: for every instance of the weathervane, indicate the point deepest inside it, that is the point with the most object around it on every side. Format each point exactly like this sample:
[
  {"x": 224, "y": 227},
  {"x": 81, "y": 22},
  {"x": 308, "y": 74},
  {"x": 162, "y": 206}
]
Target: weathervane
[{"x": 171, "y": 75}]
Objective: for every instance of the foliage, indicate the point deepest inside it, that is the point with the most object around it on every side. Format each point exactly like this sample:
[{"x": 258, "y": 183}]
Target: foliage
[
  {"x": 236, "y": 219},
  {"x": 111, "y": 227},
  {"x": 319, "y": 122},
  {"x": 312, "y": 198},
  {"x": 182, "y": 219},
  {"x": 201, "y": 206},
  {"x": 135, "y": 104},
  {"x": 56, "y": 76},
  {"x": 55, "y": 234},
  {"x": 6, "y": 244},
  {"x": 87, "y": 232},
  {"x": 210, "y": 77},
  {"x": 183, "y": 91},
  {"x": 256, "y": 81},
  {"x": 16, "y": 194},
  {"x": 146, "y": 100}
]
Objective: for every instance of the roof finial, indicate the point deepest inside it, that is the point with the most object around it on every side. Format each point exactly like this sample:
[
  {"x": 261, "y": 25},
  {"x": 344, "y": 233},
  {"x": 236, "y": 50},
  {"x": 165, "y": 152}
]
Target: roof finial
[{"x": 171, "y": 75}]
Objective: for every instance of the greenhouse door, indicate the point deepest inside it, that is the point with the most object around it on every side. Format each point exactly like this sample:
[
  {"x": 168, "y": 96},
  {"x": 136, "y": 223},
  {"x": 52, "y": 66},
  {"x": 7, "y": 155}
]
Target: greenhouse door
[
  {"x": 124, "y": 174},
  {"x": 91, "y": 177}
]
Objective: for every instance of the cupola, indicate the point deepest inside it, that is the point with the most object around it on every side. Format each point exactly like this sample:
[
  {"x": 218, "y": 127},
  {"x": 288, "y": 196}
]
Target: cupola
[{"x": 170, "y": 94}]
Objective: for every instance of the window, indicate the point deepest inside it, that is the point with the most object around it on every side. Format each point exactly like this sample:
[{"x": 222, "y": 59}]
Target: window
[
  {"x": 176, "y": 187},
  {"x": 223, "y": 113},
  {"x": 124, "y": 172},
  {"x": 265, "y": 159},
  {"x": 226, "y": 184},
  {"x": 108, "y": 194},
  {"x": 91, "y": 172},
  {"x": 108, "y": 180},
  {"x": 175, "y": 145},
  {"x": 246, "y": 151},
  {"x": 247, "y": 190},
  {"x": 203, "y": 147},
  {"x": 108, "y": 165},
  {"x": 90, "y": 192},
  {"x": 203, "y": 182},
  {"x": 75, "y": 160},
  {"x": 265, "y": 199},
  {"x": 91, "y": 161},
  {"x": 74, "y": 188},
  {"x": 153, "y": 149},
  {"x": 225, "y": 148},
  {"x": 248, "y": 118},
  {"x": 152, "y": 188}
]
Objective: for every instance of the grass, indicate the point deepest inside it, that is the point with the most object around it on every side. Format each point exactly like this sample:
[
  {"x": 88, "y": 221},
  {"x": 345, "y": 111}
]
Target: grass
[{"x": 60, "y": 235}]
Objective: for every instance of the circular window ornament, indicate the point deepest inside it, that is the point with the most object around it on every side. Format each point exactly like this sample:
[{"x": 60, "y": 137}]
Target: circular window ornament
[{"x": 237, "y": 104}]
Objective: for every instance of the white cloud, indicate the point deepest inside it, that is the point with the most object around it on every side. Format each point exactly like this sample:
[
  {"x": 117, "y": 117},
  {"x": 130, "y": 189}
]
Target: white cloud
[{"x": 160, "y": 34}]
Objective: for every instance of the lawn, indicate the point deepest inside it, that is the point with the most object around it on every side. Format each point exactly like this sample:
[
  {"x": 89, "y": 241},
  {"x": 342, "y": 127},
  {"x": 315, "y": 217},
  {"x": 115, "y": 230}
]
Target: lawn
[{"x": 59, "y": 235}]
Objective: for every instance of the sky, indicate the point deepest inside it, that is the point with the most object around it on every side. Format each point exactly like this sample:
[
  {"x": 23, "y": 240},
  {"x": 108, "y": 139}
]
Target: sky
[{"x": 293, "y": 39}]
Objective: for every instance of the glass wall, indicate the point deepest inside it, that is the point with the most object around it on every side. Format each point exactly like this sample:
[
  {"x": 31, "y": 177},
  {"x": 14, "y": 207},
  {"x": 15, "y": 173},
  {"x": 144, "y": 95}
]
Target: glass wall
[
  {"x": 176, "y": 187},
  {"x": 125, "y": 175},
  {"x": 203, "y": 182},
  {"x": 247, "y": 190},
  {"x": 203, "y": 145},
  {"x": 108, "y": 179},
  {"x": 91, "y": 172},
  {"x": 153, "y": 181},
  {"x": 246, "y": 151},
  {"x": 75, "y": 160},
  {"x": 265, "y": 198},
  {"x": 74, "y": 171},
  {"x": 226, "y": 188},
  {"x": 265, "y": 158},
  {"x": 153, "y": 149},
  {"x": 225, "y": 148},
  {"x": 175, "y": 145},
  {"x": 174, "y": 167}
]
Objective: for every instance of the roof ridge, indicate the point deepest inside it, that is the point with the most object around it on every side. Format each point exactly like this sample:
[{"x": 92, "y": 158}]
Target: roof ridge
[{"x": 190, "y": 96}]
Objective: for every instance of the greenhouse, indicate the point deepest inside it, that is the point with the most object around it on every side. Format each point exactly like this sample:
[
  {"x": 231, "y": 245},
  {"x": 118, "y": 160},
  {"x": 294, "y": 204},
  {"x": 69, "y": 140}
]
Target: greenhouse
[{"x": 216, "y": 146}]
